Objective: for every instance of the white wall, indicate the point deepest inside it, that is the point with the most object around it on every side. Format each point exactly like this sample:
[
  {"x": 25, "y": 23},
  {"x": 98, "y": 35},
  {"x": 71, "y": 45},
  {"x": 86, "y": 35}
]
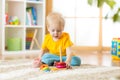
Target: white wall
[{"x": 84, "y": 30}]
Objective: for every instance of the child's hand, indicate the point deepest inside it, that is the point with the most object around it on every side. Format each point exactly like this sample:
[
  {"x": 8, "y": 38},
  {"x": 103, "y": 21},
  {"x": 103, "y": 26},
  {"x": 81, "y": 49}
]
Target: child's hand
[
  {"x": 68, "y": 66},
  {"x": 36, "y": 62}
]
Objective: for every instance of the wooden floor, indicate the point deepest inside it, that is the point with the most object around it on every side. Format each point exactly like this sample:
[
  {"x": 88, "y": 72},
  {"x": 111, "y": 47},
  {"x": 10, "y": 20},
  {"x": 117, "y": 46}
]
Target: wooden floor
[{"x": 96, "y": 58}]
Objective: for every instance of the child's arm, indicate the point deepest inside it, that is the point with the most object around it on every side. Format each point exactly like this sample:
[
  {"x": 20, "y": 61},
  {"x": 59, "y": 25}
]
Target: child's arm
[
  {"x": 41, "y": 53},
  {"x": 68, "y": 55}
]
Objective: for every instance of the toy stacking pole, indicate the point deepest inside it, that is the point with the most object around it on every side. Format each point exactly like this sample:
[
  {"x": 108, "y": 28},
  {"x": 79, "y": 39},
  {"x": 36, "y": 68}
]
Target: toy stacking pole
[
  {"x": 60, "y": 64},
  {"x": 60, "y": 54}
]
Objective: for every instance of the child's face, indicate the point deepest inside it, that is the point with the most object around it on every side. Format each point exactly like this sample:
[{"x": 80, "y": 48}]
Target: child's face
[{"x": 55, "y": 31}]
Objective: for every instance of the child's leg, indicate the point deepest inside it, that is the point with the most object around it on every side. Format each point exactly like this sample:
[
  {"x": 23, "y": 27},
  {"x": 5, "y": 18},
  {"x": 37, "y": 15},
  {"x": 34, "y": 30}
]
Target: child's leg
[
  {"x": 75, "y": 61},
  {"x": 49, "y": 59}
]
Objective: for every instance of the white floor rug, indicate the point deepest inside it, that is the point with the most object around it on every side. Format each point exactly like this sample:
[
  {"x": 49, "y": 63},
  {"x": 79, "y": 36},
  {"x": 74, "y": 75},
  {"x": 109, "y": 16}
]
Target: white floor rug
[{"x": 22, "y": 70}]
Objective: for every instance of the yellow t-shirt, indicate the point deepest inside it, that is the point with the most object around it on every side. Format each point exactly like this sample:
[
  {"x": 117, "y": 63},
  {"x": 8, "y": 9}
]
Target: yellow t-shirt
[{"x": 54, "y": 46}]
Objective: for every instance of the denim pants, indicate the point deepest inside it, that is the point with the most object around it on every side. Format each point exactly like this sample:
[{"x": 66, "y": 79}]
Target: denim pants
[{"x": 49, "y": 59}]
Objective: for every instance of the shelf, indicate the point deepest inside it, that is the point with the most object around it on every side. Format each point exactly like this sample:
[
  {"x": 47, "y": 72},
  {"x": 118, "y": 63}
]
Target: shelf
[
  {"x": 32, "y": 51},
  {"x": 21, "y": 26},
  {"x": 34, "y": 26},
  {"x": 22, "y": 52},
  {"x": 35, "y": 2},
  {"x": 14, "y": 26},
  {"x": 14, "y": 52},
  {"x": 15, "y": 0}
]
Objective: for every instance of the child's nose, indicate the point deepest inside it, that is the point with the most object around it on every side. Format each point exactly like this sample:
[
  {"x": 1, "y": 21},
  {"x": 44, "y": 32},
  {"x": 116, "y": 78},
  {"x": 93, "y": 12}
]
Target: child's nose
[{"x": 56, "y": 32}]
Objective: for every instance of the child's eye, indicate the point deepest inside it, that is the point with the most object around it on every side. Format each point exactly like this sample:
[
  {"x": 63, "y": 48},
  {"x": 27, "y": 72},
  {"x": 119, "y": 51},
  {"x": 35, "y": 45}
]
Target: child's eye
[
  {"x": 58, "y": 30},
  {"x": 53, "y": 30}
]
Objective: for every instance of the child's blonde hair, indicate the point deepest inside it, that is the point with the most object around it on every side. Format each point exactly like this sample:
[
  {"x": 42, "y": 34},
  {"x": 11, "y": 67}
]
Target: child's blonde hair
[{"x": 55, "y": 18}]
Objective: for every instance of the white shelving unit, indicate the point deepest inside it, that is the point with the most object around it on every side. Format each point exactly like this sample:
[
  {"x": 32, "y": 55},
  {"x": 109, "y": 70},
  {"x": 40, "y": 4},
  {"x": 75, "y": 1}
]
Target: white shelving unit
[{"x": 7, "y": 31}]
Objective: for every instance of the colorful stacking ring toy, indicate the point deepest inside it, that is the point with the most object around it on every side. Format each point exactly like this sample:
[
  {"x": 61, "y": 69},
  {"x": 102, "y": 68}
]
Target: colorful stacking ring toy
[{"x": 60, "y": 64}]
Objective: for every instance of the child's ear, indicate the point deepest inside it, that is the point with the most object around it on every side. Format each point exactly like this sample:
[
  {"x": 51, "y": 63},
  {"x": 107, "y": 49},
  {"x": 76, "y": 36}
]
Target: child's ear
[
  {"x": 62, "y": 28},
  {"x": 48, "y": 29}
]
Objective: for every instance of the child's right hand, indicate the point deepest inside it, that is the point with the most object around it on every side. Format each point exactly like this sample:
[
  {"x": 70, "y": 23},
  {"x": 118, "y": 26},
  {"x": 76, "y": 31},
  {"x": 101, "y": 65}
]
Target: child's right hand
[
  {"x": 36, "y": 62},
  {"x": 68, "y": 66}
]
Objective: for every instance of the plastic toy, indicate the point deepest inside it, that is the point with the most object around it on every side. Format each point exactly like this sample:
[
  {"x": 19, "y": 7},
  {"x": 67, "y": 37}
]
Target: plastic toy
[
  {"x": 45, "y": 67},
  {"x": 115, "y": 49},
  {"x": 6, "y": 18},
  {"x": 10, "y": 20},
  {"x": 16, "y": 20},
  {"x": 13, "y": 20},
  {"x": 60, "y": 64},
  {"x": 54, "y": 69}
]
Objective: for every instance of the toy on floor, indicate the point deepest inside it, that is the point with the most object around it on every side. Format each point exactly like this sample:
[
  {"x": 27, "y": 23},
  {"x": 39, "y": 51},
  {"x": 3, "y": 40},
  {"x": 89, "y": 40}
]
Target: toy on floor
[
  {"x": 115, "y": 49},
  {"x": 46, "y": 68},
  {"x": 60, "y": 64}
]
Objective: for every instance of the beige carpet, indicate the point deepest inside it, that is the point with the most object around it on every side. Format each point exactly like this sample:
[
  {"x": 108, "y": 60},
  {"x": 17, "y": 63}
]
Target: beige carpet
[{"x": 22, "y": 70}]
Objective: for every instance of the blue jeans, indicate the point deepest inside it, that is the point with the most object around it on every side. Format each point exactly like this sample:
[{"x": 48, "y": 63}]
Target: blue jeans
[{"x": 49, "y": 59}]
